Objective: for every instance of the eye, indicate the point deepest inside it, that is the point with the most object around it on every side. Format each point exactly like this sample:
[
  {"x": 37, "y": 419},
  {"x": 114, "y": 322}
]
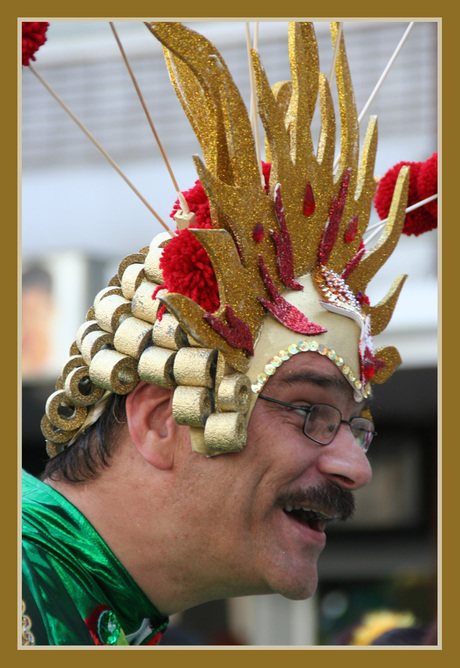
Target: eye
[{"x": 301, "y": 410}]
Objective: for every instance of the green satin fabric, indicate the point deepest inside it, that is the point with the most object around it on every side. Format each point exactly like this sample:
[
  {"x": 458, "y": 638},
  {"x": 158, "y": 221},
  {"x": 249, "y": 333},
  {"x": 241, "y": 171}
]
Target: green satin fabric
[{"x": 68, "y": 571}]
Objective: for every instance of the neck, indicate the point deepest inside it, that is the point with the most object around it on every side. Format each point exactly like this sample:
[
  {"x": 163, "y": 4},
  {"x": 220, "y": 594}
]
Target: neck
[{"x": 148, "y": 531}]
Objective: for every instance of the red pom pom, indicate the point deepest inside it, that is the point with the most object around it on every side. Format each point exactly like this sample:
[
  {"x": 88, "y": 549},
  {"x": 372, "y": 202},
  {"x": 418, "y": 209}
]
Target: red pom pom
[
  {"x": 427, "y": 183},
  {"x": 187, "y": 270},
  {"x": 33, "y": 36},
  {"x": 422, "y": 184}
]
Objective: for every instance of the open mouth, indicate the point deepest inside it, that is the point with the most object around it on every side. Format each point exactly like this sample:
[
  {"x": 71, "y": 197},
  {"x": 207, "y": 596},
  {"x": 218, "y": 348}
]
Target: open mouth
[{"x": 310, "y": 517}]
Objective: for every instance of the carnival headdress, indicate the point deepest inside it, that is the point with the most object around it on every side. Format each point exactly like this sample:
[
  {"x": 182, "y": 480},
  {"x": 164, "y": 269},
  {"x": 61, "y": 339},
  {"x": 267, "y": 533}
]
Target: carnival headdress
[{"x": 285, "y": 266}]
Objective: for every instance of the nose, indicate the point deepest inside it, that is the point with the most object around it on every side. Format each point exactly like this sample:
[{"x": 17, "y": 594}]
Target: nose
[{"x": 344, "y": 462}]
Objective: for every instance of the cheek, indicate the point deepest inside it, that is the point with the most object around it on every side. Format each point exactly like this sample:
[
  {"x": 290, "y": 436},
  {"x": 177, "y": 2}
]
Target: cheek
[
  {"x": 277, "y": 439},
  {"x": 274, "y": 429}
]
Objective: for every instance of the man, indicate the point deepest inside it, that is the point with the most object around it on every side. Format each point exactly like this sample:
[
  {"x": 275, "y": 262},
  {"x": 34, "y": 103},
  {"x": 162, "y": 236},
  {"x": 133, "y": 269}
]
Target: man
[
  {"x": 257, "y": 346},
  {"x": 198, "y": 529}
]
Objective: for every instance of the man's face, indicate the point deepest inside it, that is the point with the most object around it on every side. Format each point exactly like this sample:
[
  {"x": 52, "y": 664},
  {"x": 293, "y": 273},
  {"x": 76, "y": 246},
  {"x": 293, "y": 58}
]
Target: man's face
[{"x": 258, "y": 542}]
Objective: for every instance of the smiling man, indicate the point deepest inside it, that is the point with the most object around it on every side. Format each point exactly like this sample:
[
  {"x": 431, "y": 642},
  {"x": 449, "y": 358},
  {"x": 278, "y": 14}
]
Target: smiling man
[{"x": 213, "y": 416}]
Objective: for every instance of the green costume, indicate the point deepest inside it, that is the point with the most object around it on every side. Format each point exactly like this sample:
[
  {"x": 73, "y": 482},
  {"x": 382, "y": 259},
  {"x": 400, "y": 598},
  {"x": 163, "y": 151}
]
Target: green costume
[{"x": 75, "y": 591}]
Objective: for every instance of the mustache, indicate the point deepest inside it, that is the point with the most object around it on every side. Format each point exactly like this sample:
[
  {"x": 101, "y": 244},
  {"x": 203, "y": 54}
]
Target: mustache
[{"x": 328, "y": 497}]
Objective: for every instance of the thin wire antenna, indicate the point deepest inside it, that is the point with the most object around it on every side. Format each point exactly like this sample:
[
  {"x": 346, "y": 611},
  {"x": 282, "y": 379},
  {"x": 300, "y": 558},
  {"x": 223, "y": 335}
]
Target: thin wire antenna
[
  {"x": 382, "y": 78},
  {"x": 336, "y": 51},
  {"x": 385, "y": 72},
  {"x": 182, "y": 199},
  {"x": 253, "y": 103},
  {"x": 375, "y": 229},
  {"x": 99, "y": 147}
]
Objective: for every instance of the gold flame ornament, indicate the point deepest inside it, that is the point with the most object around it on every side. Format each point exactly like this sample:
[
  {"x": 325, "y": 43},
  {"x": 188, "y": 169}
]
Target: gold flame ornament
[{"x": 290, "y": 263}]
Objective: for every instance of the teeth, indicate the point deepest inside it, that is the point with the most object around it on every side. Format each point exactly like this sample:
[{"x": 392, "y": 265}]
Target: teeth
[{"x": 317, "y": 515}]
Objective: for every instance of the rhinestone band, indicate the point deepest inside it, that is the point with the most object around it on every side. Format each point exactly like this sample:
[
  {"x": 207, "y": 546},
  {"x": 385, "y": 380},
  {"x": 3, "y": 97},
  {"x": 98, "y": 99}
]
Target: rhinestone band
[{"x": 303, "y": 347}]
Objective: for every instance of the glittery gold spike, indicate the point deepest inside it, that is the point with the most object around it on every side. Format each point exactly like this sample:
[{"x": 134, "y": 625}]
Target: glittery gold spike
[
  {"x": 348, "y": 114},
  {"x": 381, "y": 313},
  {"x": 303, "y": 55},
  {"x": 223, "y": 100},
  {"x": 187, "y": 57},
  {"x": 282, "y": 92},
  {"x": 379, "y": 254},
  {"x": 358, "y": 203},
  {"x": 274, "y": 123}
]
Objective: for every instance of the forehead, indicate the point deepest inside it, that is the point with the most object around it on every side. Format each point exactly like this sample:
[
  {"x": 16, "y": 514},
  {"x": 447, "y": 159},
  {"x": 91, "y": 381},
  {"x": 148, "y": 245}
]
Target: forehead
[{"x": 310, "y": 368}]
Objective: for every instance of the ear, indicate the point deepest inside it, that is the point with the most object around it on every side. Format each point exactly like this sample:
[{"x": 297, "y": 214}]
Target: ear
[{"x": 151, "y": 425}]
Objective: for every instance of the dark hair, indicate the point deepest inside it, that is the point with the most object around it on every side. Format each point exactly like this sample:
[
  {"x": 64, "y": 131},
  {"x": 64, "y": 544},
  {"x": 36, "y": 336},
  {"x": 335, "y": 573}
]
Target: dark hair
[{"x": 91, "y": 452}]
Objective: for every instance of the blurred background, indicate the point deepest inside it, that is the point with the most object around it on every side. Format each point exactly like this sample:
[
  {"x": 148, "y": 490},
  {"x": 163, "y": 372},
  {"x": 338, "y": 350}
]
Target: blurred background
[{"x": 79, "y": 219}]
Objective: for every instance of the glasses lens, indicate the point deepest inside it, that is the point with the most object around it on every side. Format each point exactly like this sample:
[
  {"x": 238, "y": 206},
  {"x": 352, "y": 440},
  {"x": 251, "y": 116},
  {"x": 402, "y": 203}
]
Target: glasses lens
[
  {"x": 322, "y": 423},
  {"x": 363, "y": 431}
]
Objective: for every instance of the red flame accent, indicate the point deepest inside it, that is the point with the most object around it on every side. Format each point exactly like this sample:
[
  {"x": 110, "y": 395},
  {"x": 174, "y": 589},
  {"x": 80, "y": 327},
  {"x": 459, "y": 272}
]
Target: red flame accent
[
  {"x": 287, "y": 314},
  {"x": 308, "y": 201},
  {"x": 283, "y": 245},
  {"x": 351, "y": 266},
  {"x": 352, "y": 229},
  {"x": 335, "y": 216},
  {"x": 236, "y": 333},
  {"x": 258, "y": 233}
]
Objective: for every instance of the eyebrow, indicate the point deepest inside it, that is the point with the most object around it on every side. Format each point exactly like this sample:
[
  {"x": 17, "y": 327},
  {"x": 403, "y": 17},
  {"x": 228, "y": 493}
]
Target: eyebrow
[{"x": 320, "y": 380}]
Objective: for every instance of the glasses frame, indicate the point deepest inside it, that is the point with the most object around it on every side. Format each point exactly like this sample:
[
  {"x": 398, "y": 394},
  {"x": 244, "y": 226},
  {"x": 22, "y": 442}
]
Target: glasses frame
[{"x": 308, "y": 409}]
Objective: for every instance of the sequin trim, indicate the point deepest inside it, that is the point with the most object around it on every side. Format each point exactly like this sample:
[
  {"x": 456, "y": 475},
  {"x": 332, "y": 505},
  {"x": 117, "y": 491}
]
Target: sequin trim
[
  {"x": 308, "y": 346},
  {"x": 28, "y": 637}
]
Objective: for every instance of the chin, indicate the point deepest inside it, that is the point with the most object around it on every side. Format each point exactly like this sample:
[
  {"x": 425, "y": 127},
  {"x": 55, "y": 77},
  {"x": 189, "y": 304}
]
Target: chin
[{"x": 297, "y": 587}]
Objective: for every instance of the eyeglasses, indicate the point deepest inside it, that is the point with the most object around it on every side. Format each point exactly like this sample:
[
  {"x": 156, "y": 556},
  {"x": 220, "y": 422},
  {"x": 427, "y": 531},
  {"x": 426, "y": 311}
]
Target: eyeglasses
[{"x": 322, "y": 422}]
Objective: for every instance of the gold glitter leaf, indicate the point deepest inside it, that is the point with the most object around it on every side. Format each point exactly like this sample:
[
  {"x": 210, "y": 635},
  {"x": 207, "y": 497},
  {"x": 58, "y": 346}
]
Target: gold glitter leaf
[{"x": 392, "y": 359}]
